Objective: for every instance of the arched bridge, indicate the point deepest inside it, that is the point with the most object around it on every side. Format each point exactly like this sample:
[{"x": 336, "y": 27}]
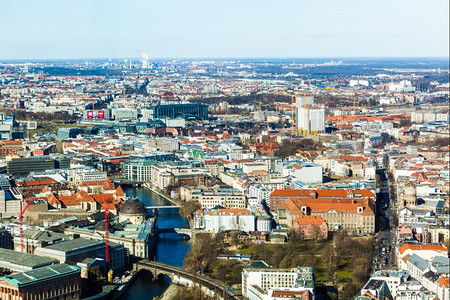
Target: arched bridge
[
  {"x": 182, "y": 276},
  {"x": 185, "y": 231}
]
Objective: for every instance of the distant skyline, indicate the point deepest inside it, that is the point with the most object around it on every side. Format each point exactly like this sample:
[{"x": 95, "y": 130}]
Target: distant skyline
[{"x": 51, "y": 29}]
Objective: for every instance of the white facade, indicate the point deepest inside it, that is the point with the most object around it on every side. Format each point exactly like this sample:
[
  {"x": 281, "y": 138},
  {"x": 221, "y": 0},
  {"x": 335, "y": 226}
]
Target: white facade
[
  {"x": 310, "y": 120},
  {"x": 254, "y": 166},
  {"x": 402, "y": 86},
  {"x": 176, "y": 123},
  {"x": 307, "y": 172},
  {"x": 225, "y": 219},
  {"x": 257, "y": 194},
  {"x": 91, "y": 176},
  {"x": 209, "y": 201},
  {"x": 139, "y": 170},
  {"x": 424, "y": 117},
  {"x": 216, "y": 223},
  {"x": 278, "y": 279},
  {"x": 160, "y": 178}
]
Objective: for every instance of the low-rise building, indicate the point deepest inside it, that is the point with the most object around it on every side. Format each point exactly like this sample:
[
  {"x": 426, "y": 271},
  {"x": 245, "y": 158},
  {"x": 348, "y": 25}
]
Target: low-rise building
[
  {"x": 268, "y": 283},
  {"x": 278, "y": 197},
  {"x": 135, "y": 230},
  {"x": 21, "y": 262},
  {"x": 60, "y": 281},
  {"x": 76, "y": 250},
  {"x": 352, "y": 215},
  {"x": 310, "y": 227},
  {"x": 216, "y": 220}
]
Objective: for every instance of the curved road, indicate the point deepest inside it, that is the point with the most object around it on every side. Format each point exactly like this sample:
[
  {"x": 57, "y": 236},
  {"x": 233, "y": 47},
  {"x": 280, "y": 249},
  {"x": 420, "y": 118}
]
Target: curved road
[{"x": 208, "y": 282}]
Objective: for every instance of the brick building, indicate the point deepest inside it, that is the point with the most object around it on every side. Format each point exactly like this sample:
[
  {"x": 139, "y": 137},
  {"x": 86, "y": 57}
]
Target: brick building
[{"x": 9, "y": 148}]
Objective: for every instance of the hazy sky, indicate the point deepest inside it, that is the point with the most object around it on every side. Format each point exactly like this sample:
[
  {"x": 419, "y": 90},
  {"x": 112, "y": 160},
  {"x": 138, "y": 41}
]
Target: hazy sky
[{"x": 223, "y": 28}]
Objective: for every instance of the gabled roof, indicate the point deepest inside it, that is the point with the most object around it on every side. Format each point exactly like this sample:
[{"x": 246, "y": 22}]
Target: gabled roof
[
  {"x": 291, "y": 207},
  {"x": 339, "y": 205},
  {"x": 309, "y": 220},
  {"x": 119, "y": 191}
]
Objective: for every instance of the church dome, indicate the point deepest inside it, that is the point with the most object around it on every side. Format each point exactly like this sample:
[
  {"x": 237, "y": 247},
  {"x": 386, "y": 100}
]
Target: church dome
[
  {"x": 132, "y": 207},
  {"x": 410, "y": 192}
]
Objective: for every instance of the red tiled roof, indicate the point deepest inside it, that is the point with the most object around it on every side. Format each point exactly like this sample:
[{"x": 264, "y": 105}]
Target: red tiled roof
[
  {"x": 120, "y": 192},
  {"x": 444, "y": 281},
  {"x": 405, "y": 258},
  {"x": 38, "y": 182},
  {"x": 306, "y": 220},
  {"x": 304, "y": 295},
  {"x": 339, "y": 205},
  {"x": 418, "y": 247},
  {"x": 321, "y": 193}
]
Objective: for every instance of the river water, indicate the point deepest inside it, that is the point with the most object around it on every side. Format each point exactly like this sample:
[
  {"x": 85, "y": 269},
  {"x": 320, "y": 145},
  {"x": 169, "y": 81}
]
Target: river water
[{"x": 171, "y": 248}]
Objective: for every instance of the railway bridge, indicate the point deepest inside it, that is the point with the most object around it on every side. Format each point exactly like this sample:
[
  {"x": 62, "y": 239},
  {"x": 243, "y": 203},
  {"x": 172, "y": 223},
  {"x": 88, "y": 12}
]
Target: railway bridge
[{"x": 210, "y": 286}]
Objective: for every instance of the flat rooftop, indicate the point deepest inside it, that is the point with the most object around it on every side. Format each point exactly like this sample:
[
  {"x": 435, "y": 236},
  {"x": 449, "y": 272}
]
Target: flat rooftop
[
  {"x": 75, "y": 244},
  {"x": 41, "y": 274},
  {"x": 25, "y": 259}
]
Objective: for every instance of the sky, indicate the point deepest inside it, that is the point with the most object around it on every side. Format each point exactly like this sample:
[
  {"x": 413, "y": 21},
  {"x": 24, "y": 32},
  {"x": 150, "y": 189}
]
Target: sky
[{"x": 55, "y": 29}]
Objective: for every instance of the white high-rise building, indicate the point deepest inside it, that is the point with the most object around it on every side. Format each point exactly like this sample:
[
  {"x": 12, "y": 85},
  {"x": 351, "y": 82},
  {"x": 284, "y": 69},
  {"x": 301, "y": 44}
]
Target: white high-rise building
[{"x": 310, "y": 120}]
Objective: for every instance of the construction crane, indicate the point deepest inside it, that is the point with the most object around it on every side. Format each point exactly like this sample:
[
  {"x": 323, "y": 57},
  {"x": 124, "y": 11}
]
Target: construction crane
[
  {"x": 259, "y": 102},
  {"x": 21, "y": 225},
  {"x": 369, "y": 294},
  {"x": 106, "y": 232}
]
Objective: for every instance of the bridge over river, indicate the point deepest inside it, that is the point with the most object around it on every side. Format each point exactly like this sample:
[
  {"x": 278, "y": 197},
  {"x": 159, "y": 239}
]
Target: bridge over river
[
  {"x": 162, "y": 206},
  {"x": 185, "y": 231},
  {"x": 181, "y": 276}
]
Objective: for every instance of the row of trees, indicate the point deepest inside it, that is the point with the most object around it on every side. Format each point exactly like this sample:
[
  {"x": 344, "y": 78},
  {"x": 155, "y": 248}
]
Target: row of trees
[
  {"x": 188, "y": 208},
  {"x": 204, "y": 251},
  {"x": 39, "y": 116}
]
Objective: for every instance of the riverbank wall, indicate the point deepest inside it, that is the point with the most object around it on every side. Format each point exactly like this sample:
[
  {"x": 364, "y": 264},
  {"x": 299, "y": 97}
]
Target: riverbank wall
[
  {"x": 172, "y": 291},
  {"x": 154, "y": 190}
]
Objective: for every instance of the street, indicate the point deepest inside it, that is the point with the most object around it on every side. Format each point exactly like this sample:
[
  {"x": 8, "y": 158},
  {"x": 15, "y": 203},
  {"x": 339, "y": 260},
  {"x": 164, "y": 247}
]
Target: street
[{"x": 385, "y": 237}]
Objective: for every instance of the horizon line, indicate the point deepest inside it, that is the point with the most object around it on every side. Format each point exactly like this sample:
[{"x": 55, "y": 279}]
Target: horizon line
[{"x": 228, "y": 58}]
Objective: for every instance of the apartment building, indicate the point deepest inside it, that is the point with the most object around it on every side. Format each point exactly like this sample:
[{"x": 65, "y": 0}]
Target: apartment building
[{"x": 138, "y": 170}]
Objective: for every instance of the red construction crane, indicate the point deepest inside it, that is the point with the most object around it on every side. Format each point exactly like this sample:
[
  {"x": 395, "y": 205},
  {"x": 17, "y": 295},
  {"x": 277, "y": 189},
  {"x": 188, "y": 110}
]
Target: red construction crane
[
  {"x": 21, "y": 225},
  {"x": 106, "y": 231}
]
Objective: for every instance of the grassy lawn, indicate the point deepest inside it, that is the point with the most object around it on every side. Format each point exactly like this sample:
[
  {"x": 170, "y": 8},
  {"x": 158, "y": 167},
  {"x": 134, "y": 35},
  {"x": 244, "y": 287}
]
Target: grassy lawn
[{"x": 344, "y": 276}]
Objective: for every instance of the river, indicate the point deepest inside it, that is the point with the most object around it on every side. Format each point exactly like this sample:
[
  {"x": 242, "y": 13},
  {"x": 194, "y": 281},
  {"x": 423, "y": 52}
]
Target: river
[{"x": 171, "y": 248}]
